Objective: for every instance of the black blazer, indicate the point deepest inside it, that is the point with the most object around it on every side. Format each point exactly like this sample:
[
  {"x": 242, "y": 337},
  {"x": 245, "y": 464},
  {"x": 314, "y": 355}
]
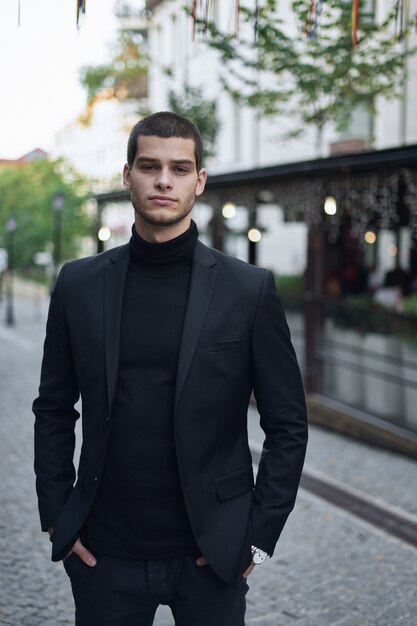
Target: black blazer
[{"x": 235, "y": 340}]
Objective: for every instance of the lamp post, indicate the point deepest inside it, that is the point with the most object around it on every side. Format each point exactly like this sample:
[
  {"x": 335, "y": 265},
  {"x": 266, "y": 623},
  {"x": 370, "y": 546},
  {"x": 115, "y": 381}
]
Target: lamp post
[
  {"x": 103, "y": 235},
  {"x": 253, "y": 234},
  {"x": 58, "y": 201},
  {"x": 10, "y": 230},
  {"x": 99, "y": 225},
  {"x": 217, "y": 229}
]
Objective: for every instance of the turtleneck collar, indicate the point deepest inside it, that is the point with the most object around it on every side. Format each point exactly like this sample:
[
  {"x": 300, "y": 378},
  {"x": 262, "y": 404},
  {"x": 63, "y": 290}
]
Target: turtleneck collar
[{"x": 175, "y": 253}]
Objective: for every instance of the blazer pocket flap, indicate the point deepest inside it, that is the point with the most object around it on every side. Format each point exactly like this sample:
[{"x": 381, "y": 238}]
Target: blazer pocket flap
[
  {"x": 235, "y": 483},
  {"x": 220, "y": 346}
]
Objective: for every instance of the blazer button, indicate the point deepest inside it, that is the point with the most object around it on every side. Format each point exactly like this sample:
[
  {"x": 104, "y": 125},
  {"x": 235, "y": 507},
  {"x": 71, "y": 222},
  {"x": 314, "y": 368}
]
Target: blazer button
[{"x": 95, "y": 479}]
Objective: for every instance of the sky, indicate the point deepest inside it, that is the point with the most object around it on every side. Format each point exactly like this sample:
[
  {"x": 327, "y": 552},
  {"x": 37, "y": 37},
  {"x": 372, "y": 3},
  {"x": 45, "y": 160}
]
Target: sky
[{"x": 39, "y": 67}]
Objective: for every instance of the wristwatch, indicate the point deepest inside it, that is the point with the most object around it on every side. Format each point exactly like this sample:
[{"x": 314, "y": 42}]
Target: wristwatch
[{"x": 258, "y": 555}]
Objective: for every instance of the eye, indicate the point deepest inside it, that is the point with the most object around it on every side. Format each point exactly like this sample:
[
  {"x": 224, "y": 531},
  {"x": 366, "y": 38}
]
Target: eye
[
  {"x": 181, "y": 170},
  {"x": 148, "y": 168}
]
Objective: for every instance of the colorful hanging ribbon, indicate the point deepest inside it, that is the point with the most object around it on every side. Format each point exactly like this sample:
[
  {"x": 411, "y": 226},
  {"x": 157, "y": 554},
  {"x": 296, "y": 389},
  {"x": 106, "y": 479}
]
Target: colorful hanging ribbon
[
  {"x": 309, "y": 20},
  {"x": 355, "y": 22},
  {"x": 204, "y": 11},
  {"x": 401, "y": 19},
  {"x": 234, "y": 16},
  {"x": 316, "y": 9},
  {"x": 80, "y": 9},
  {"x": 237, "y": 11},
  {"x": 201, "y": 13},
  {"x": 205, "y": 7},
  {"x": 194, "y": 16}
]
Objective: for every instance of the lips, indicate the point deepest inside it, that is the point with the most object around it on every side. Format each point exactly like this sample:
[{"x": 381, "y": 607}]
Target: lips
[{"x": 161, "y": 200}]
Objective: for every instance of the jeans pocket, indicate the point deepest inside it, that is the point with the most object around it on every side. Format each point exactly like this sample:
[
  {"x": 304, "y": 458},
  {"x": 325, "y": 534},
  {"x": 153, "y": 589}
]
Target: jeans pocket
[{"x": 75, "y": 567}]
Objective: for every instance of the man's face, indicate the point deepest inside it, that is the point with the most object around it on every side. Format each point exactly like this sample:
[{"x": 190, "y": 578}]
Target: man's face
[{"x": 163, "y": 182}]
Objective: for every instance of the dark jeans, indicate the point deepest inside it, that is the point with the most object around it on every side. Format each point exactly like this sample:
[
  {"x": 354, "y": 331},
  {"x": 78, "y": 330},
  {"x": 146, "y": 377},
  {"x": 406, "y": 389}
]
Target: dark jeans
[{"x": 126, "y": 592}]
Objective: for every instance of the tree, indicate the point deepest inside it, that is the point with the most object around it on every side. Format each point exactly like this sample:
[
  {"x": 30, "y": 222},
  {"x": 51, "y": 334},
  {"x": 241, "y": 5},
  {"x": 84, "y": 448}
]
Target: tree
[
  {"x": 125, "y": 77},
  {"x": 126, "y": 74},
  {"x": 192, "y": 104},
  {"x": 311, "y": 71},
  {"x": 26, "y": 194}
]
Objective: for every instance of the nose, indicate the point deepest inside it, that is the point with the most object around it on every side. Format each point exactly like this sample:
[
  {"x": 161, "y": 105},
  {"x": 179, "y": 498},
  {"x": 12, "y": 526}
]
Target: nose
[{"x": 163, "y": 180}]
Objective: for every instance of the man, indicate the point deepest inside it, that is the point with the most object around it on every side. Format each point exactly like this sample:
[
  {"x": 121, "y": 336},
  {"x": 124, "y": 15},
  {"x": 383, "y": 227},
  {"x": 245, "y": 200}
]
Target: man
[{"x": 165, "y": 339}]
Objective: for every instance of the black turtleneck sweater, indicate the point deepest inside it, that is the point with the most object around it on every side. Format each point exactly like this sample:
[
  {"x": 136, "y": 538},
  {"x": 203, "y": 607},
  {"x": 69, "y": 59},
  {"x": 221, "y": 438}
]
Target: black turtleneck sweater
[{"x": 139, "y": 510}]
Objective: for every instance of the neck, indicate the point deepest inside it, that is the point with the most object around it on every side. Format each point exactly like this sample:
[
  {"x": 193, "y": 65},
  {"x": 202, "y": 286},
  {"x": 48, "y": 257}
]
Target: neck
[
  {"x": 159, "y": 234},
  {"x": 166, "y": 257}
]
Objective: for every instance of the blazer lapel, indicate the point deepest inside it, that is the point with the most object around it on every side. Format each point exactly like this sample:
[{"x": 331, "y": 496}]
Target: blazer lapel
[
  {"x": 203, "y": 278},
  {"x": 114, "y": 284}
]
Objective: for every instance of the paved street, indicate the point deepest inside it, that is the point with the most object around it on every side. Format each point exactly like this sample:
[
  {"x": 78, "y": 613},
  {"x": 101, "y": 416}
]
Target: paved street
[{"x": 330, "y": 568}]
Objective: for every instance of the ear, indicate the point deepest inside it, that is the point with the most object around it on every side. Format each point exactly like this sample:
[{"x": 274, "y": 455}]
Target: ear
[
  {"x": 201, "y": 182},
  {"x": 126, "y": 177}
]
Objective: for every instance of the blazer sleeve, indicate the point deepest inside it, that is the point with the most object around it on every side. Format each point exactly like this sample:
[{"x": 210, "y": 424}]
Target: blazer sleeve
[
  {"x": 279, "y": 394},
  {"x": 55, "y": 415}
]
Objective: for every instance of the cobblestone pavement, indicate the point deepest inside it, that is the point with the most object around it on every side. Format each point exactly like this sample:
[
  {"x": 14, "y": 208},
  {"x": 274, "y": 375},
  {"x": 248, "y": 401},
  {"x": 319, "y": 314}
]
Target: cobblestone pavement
[{"x": 330, "y": 569}]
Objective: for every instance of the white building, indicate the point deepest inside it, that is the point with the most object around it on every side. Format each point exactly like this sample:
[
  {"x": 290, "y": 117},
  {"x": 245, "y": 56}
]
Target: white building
[
  {"x": 96, "y": 142},
  {"x": 245, "y": 140}
]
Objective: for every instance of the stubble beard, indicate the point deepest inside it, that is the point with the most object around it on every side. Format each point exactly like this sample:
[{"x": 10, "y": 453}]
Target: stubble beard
[{"x": 170, "y": 215}]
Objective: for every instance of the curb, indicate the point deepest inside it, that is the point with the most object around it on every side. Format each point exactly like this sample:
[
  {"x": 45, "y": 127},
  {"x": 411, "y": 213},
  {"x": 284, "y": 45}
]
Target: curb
[{"x": 336, "y": 416}]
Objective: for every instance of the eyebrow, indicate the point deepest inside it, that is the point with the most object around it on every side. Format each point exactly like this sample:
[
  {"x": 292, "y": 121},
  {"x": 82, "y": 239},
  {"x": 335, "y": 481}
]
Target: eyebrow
[{"x": 175, "y": 161}]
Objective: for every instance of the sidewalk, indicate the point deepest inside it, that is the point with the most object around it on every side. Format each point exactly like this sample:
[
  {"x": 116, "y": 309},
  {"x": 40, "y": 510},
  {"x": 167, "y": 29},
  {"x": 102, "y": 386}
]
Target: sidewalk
[{"x": 330, "y": 568}]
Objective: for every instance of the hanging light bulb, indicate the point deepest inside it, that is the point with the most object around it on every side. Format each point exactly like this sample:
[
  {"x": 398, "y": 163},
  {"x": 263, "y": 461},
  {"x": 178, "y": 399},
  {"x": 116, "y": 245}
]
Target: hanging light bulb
[
  {"x": 229, "y": 210},
  {"x": 254, "y": 235},
  {"x": 104, "y": 233},
  {"x": 330, "y": 205},
  {"x": 370, "y": 237}
]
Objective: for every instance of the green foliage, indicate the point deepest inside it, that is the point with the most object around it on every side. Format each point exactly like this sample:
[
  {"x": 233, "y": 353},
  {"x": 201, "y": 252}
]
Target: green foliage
[
  {"x": 410, "y": 305},
  {"x": 94, "y": 78},
  {"x": 126, "y": 73},
  {"x": 126, "y": 76},
  {"x": 192, "y": 104},
  {"x": 316, "y": 80},
  {"x": 26, "y": 194},
  {"x": 291, "y": 285},
  {"x": 291, "y": 288}
]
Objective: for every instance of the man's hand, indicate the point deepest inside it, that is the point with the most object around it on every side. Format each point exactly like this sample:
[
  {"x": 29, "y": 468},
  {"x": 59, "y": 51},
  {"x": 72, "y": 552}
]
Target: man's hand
[
  {"x": 202, "y": 561},
  {"x": 84, "y": 554}
]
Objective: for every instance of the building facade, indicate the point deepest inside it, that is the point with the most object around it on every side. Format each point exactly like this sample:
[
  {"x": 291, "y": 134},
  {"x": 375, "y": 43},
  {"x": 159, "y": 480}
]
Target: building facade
[
  {"x": 247, "y": 141},
  {"x": 95, "y": 143},
  {"x": 244, "y": 139}
]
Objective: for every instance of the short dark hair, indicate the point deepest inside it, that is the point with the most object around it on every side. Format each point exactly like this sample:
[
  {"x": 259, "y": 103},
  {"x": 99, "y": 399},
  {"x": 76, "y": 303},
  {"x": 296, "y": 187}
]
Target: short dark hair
[{"x": 165, "y": 124}]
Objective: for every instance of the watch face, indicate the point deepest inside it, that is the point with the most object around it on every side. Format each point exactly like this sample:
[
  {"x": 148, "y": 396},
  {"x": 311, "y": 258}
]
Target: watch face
[{"x": 258, "y": 557}]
